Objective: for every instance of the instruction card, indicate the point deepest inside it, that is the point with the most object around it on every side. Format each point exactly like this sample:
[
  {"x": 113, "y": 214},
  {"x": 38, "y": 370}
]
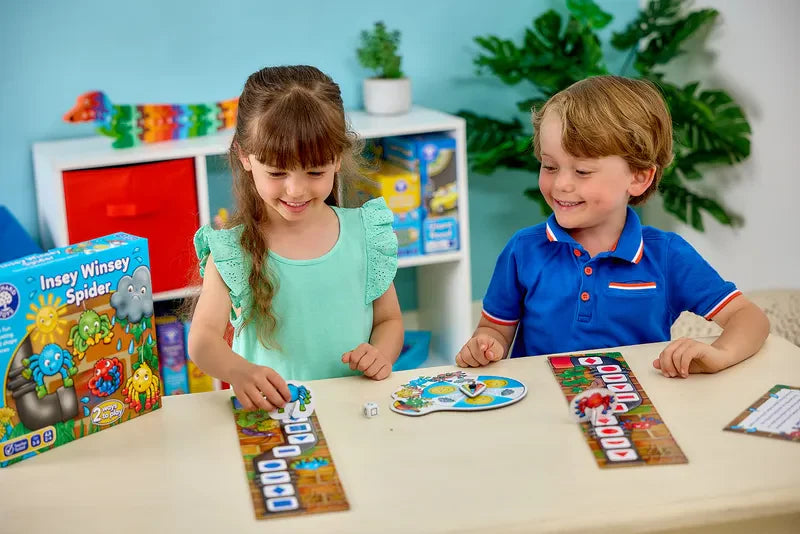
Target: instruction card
[{"x": 776, "y": 414}]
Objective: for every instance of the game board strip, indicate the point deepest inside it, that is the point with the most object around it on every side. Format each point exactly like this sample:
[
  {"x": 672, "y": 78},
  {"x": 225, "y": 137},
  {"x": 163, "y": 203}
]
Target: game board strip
[
  {"x": 289, "y": 468},
  {"x": 634, "y": 434}
]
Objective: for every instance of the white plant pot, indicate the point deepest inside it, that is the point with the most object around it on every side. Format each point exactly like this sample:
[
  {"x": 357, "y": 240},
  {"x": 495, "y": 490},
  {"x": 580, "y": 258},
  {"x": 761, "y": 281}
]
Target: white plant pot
[{"x": 387, "y": 96}]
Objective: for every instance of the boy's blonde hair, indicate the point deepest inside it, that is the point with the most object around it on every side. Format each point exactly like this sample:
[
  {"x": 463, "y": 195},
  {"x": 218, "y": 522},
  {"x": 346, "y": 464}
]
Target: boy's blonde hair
[{"x": 612, "y": 116}]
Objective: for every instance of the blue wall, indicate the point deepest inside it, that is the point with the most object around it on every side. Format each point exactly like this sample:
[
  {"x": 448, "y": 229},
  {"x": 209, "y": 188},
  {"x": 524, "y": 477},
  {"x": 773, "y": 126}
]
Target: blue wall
[{"x": 185, "y": 51}]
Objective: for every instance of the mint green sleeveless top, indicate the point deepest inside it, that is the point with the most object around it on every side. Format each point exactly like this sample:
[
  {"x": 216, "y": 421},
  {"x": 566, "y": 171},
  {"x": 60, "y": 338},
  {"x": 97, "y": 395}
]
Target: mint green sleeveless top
[{"x": 323, "y": 306}]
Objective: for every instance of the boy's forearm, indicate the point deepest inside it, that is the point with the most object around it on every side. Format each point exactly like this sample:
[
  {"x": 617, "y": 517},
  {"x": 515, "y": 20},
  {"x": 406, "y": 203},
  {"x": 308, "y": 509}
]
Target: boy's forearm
[
  {"x": 387, "y": 337},
  {"x": 742, "y": 336},
  {"x": 214, "y": 357}
]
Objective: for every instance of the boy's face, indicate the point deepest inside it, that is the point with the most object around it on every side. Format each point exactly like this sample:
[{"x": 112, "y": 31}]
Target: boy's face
[
  {"x": 294, "y": 194},
  {"x": 586, "y": 193}
]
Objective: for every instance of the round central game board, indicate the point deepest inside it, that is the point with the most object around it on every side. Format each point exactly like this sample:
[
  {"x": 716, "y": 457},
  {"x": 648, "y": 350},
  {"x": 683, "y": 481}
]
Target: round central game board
[{"x": 424, "y": 395}]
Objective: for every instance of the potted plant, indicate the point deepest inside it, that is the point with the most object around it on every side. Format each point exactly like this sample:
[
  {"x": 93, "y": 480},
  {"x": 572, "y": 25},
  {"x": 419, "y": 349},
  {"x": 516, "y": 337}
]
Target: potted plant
[
  {"x": 388, "y": 92},
  {"x": 710, "y": 127}
]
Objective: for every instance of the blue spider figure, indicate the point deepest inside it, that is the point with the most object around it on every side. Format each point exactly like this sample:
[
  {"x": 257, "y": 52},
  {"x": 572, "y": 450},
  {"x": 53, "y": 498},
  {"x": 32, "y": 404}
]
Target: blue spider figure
[
  {"x": 52, "y": 360},
  {"x": 300, "y": 394}
]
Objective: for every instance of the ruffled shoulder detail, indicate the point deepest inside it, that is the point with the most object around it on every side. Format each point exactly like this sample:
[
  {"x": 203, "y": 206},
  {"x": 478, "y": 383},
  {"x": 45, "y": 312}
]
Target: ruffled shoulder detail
[
  {"x": 381, "y": 244},
  {"x": 229, "y": 259}
]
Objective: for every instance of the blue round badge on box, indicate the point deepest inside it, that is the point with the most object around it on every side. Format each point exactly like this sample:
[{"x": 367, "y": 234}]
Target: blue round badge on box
[{"x": 9, "y": 301}]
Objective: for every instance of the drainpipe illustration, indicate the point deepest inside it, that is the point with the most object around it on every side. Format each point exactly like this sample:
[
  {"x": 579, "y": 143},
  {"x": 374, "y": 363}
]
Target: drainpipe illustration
[{"x": 33, "y": 412}]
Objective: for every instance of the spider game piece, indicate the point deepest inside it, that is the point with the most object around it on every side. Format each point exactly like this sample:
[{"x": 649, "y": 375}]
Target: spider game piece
[
  {"x": 591, "y": 403},
  {"x": 301, "y": 406}
]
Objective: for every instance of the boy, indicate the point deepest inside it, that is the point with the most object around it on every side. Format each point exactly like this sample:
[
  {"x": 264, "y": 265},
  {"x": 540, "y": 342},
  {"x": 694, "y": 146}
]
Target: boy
[{"x": 592, "y": 276}]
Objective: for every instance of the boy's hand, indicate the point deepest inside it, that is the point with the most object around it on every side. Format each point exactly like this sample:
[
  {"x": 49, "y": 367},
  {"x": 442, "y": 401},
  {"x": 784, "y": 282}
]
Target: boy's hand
[
  {"x": 479, "y": 351},
  {"x": 369, "y": 360},
  {"x": 261, "y": 387},
  {"x": 684, "y": 356}
]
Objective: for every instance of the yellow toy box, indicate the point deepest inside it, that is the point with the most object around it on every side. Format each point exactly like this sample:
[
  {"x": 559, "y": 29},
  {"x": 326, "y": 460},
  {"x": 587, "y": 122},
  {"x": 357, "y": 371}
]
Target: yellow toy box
[
  {"x": 77, "y": 344},
  {"x": 401, "y": 189},
  {"x": 433, "y": 158}
]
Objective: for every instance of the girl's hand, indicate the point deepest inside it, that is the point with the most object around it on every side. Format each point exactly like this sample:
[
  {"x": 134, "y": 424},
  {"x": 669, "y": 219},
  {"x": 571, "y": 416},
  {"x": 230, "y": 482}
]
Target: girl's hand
[
  {"x": 257, "y": 386},
  {"x": 480, "y": 350},
  {"x": 684, "y": 356},
  {"x": 368, "y": 360}
]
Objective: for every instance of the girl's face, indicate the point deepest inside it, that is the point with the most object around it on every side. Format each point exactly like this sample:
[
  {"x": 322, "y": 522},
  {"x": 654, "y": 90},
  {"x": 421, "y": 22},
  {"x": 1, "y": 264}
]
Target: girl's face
[
  {"x": 586, "y": 193},
  {"x": 292, "y": 195}
]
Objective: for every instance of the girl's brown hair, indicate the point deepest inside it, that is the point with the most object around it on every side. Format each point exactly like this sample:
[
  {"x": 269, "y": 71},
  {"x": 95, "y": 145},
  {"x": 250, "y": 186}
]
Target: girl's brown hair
[
  {"x": 612, "y": 116},
  {"x": 288, "y": 117}
]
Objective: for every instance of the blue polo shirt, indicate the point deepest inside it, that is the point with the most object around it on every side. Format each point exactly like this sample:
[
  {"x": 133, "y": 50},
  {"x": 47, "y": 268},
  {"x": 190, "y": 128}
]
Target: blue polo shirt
[{"x": 565, "y": 301}]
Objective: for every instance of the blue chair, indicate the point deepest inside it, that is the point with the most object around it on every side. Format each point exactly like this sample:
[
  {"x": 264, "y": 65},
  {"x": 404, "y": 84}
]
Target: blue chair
[{"x": 14, "y": 240}]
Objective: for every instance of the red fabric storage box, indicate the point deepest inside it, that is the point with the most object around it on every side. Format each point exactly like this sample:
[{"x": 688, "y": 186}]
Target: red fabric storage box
[{"x": 156, "y": 200}]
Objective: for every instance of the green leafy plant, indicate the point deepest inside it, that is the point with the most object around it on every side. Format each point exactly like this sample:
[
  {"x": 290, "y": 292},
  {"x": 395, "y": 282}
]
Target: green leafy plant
[
  {"x": 378, "y": 51},
  {"x": 709, "y": 127}
]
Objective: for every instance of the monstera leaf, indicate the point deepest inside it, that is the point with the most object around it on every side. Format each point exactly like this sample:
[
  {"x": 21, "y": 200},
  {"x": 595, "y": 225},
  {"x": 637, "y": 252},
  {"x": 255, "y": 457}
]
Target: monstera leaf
[
  {"x": 552, "y": 55},
  {"x": 710, "y": 128},
  {"x": 498, "y": 144},
  {"x": 664, "y": 29}
]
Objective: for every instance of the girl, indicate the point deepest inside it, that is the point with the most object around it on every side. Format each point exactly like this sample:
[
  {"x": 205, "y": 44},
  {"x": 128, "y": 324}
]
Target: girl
[{"x": 307, "y": 285}]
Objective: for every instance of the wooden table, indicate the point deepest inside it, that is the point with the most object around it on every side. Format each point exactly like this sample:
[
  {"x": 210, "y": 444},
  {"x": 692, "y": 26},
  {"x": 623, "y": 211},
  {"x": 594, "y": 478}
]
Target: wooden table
[{"x": 524, "y": 468}]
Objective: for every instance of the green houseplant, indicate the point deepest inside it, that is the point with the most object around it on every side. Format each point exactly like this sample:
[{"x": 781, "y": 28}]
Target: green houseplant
[
  {"x": 710, "y": 128},
  {"x": 388, "y": 92}
]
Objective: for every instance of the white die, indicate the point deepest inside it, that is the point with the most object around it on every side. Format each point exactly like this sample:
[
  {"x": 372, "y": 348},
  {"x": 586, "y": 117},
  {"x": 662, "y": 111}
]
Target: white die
[{"x": 370, "y": 409}]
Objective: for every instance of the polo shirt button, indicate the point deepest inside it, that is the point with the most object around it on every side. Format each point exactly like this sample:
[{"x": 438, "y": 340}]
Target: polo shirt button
[
  {"x": 576, "y": 252},
  {"x": 584, "y": 296},
  {"x": 587, "y": 270}
]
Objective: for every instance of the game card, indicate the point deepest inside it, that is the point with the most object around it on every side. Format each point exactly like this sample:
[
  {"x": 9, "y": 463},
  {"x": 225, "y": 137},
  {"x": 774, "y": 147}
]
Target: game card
[{"x": 776, "y": 414}]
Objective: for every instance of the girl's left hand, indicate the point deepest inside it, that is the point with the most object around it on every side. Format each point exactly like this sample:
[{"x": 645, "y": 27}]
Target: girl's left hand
[
  {"x": 369, "y": 360},
  {"x": 684, "y": 356}
]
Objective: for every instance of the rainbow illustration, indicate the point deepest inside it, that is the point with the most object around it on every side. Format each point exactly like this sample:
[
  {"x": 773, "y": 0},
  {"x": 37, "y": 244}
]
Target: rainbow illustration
[{"x": 133, "y": 124}]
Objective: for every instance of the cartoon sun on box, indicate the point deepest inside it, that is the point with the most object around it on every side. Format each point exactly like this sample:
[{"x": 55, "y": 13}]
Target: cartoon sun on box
[{"x": 78, "y": 344}]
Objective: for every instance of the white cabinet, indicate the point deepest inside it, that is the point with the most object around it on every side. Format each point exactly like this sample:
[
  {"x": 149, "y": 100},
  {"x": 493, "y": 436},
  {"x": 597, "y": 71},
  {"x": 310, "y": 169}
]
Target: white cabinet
[{"x": 443, "y": 280}]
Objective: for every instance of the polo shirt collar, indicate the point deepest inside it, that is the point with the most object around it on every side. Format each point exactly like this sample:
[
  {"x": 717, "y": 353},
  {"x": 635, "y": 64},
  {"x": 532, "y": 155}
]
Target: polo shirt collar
[{"x": 629, "y": 246}]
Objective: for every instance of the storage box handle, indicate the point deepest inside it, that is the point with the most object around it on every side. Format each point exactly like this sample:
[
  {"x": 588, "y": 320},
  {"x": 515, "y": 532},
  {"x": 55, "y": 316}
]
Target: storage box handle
[{"x": 129, "y": 209}]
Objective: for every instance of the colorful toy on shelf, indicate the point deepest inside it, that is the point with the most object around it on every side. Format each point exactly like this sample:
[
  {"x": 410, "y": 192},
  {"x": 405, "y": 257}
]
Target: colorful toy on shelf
[
  {"x": 221, "y": 218},
  {"x": 132, "y": 124},
  {"x": 433, "y": 157},
  {"x": 172, "y": 351}
]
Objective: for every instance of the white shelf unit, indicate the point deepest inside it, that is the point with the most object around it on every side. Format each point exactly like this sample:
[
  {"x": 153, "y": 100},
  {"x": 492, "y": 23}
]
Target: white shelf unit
[{"x": 444, "y": 280}]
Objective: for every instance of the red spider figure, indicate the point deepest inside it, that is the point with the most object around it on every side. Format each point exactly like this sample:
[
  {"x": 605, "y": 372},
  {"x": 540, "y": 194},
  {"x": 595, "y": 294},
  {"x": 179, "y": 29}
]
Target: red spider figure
[
  {"x": 594, "y": 400},
  {"x": 107, "y": 377}
]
